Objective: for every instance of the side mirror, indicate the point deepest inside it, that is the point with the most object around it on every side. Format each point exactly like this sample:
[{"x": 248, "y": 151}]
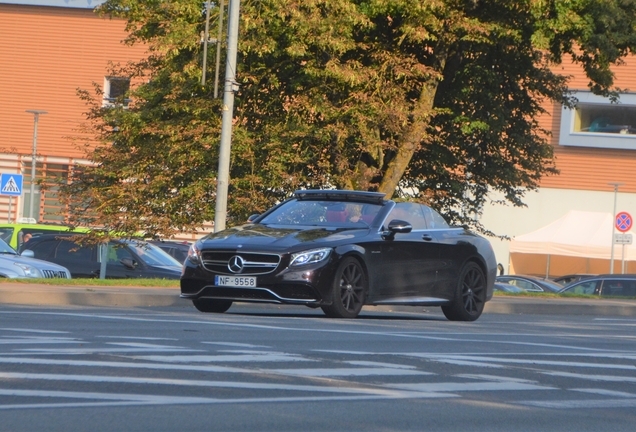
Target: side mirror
[
  {"x": 28, "y": 253},
  {"x": 397, "y": 226},
  {"x": 400, "y": 226},
  {"x": 128, "y": 263},
  {"x": 252, "y": 218}
]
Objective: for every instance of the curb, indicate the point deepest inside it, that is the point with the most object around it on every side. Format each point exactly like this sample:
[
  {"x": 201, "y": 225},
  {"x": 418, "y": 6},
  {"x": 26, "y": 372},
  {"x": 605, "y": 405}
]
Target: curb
[
  {"x": 52, "y": 295},
  {"x": 557, "y": 306}
]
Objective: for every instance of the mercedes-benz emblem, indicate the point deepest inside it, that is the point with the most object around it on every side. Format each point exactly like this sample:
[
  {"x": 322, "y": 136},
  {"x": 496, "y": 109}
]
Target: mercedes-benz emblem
[{"x": 235, "y": 264}]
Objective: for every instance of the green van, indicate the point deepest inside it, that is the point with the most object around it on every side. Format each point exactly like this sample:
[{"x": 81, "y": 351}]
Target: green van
[{"x": 15, "y": 234}]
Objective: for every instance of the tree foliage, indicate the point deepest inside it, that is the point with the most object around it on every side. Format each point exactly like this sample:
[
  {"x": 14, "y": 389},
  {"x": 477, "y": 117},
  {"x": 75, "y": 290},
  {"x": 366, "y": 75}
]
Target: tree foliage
[{"x": 434, "y": 100}]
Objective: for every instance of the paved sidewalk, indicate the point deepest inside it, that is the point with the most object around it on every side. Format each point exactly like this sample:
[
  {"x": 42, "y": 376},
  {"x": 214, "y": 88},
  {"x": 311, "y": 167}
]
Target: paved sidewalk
[{"x": 40, "y": 294}]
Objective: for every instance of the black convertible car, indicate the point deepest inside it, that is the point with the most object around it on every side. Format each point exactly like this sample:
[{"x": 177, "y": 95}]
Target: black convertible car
[{"x": 340, "y": 250}]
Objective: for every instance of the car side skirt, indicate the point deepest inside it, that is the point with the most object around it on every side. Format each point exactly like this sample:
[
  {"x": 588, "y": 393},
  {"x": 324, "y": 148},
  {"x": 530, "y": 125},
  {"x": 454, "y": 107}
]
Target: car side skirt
[{"x": 412, "y": 301}]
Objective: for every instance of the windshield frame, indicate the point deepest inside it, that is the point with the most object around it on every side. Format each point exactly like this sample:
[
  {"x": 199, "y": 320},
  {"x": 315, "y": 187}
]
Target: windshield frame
[
  {"x": 324, "y": 213},
  {"x": 151, "y": 255},
  {"x": 5, "y": 248}
]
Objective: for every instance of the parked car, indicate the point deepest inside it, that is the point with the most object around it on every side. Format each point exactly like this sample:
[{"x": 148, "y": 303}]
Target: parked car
[
  {"x": 568, "y": 279},
  {"x": 14, "y": 234},
  {"x": 176, "y": 249},
  {"x": 125, "y": 258},
  {"x": 531, "y": 283},
  {"x": 507, "y": 288},
  {"x": 340, "y": 250},
  {"x": 14, "y": 265},
  {"x": 608, "y": 285}
]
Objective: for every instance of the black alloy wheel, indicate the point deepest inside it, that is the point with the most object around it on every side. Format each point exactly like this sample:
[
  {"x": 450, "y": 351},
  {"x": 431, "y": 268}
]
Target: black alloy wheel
[
  {"x": 349, "y": 290},
  {"x": 470, "y": 297},
  {"x": 211, "y": 305}
]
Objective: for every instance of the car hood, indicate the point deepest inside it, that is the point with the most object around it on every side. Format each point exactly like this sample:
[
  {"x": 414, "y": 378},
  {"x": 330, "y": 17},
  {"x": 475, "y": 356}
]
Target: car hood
[
  {"x": 279, "y": 237},
  {"x": 167, "y": 269},
  {"x": 6, "y": 259}
]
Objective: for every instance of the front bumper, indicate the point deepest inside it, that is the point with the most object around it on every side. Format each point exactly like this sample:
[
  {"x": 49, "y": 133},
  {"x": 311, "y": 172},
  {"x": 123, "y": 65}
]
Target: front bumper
[{"x": 308, "y": 285}]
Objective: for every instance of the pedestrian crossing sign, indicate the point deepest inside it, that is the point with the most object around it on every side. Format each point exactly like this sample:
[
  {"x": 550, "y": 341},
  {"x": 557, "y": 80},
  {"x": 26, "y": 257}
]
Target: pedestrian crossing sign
[{"x": 11, "y": 184}]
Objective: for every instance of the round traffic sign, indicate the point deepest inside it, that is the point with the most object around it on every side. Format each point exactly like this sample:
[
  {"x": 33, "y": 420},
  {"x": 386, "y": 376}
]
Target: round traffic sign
[{"x": 624, "y": 221}]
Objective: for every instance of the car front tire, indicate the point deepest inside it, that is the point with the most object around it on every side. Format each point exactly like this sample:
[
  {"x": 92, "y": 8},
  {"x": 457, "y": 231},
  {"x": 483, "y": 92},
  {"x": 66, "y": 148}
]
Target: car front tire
[
  {"x": 470, "y": 297},
  {"x": 348, "y": 291}
]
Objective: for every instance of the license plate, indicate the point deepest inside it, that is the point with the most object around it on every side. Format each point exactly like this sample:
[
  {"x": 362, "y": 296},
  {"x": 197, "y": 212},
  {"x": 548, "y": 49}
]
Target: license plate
[{"x": 235, "y": 281}]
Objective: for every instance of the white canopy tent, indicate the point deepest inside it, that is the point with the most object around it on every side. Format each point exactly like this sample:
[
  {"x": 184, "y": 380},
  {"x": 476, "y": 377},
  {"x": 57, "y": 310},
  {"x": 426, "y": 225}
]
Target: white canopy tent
[{"x": 579, "y": 242}]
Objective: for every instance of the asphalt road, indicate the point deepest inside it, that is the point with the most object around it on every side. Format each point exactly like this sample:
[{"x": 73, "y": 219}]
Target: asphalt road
[{"x": 271, "y": 368}]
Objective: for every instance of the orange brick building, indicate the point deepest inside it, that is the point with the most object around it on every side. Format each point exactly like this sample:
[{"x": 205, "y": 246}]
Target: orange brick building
[{"x": 46, "y": 54}]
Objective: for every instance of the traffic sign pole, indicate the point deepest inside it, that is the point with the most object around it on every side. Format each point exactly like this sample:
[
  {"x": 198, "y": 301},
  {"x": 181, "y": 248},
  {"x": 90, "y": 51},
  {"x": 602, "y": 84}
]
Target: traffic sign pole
[
  {"x": 623, "y": 260},
  {"x": 623, "y": 222},
  {"x": 11, "y": 185}
]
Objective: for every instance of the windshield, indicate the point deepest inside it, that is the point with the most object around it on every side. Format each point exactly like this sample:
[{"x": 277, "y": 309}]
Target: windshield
[
  {"x": 323, "y": 213},
  {"x": 6, "y": 249},
  {"x": 152, "y": 255},
  {"x": 5, "y": 234}
]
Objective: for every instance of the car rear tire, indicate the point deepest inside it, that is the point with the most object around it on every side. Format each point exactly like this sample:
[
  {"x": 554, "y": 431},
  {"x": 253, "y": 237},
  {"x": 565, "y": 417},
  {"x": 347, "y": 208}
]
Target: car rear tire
[
  {"x": 470, "y": 297},
  {"x": 211, "y": 305},
  {"x": 348, "y": 291}
]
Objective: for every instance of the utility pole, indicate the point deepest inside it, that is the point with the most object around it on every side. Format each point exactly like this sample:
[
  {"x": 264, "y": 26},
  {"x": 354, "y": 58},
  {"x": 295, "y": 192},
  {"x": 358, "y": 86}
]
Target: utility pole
[
  {"x": 231, "y": 86},
  {"x": 205, "y": 39},
  {"x": 218, "y": 51},
  {"x": 36, "y": 115},
  {"x": 616, "y": 185}
]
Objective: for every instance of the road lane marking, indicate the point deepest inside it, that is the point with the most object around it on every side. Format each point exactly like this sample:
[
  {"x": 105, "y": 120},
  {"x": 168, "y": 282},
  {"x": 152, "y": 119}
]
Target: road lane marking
[
  {"x": 137, "y": 338},
  {"x": 607, "y": 378},
  {"x": 234, "y": 344},
  {"x": 155, "y": 366},
  {"x": 327, "y": 388},
  {"x": 605, "y": 392},
  {"x": 123, "y": 399},
  {"x": 33, "y": 330},
  {"x": 493, "y": 360},
  {"x": 582, "y": 404},
  {"x": 142, "y": 345},
  {"x": 379, "y": 364},
  {"x": 458, "y": 387},
  {"x": 256, "y": 357},
  {"x": 340, "y": 372},
  {"x": 75, "y": 351},
  {"x": 38, "y": 340}
]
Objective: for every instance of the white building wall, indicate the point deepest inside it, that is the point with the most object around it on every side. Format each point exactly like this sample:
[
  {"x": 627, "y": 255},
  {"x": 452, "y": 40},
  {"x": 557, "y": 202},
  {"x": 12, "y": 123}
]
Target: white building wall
[{"x": 544, "y": 207}]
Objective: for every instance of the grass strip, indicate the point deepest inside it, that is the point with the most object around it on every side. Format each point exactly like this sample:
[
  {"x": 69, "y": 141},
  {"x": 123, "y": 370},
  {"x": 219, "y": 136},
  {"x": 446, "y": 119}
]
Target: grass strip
[{"x": 159, "y": 283}]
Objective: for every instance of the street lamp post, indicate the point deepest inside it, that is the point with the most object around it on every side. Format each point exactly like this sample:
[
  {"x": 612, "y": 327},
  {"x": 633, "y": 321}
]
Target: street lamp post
[
  {"x": 616, "y": 185},
  {"x": 223, "y": 175},
  {"x": 36, "y": 115}
]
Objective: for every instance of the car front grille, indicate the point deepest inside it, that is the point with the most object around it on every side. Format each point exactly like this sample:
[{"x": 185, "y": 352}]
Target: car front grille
[
  {"x": 54, "y": 274},
  {"x": 253, "y": 263}
]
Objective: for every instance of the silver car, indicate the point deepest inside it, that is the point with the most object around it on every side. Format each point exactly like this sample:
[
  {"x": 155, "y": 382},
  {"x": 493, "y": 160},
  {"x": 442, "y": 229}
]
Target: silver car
[{"x": 14, "y": 265}]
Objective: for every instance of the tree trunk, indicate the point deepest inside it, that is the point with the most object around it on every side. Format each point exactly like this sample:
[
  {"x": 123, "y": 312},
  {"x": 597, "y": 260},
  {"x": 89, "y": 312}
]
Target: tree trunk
[{"x": 410, "y": 142}]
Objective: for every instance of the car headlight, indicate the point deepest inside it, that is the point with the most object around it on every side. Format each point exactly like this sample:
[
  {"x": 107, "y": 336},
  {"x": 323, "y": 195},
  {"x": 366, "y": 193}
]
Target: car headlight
[
  {"x": 194, "y": 254},
  {"x": 309, "y": 257},
  {"x": 29, "y": 271}
]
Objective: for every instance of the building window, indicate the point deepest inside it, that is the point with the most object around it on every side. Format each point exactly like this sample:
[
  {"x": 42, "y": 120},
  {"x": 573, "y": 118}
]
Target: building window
[
  {"x": 115, "y": 89},
  {"x": 596, "y": 122},
  {"x": 46, "y": 203}
]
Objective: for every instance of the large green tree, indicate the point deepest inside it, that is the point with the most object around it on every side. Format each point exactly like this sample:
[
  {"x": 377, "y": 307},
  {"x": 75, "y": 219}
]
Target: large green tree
[{"x": 436, "y": 100}]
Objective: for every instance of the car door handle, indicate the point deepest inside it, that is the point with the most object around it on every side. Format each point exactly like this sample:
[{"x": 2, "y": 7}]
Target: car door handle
[{"x": 427, "y": 237}]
